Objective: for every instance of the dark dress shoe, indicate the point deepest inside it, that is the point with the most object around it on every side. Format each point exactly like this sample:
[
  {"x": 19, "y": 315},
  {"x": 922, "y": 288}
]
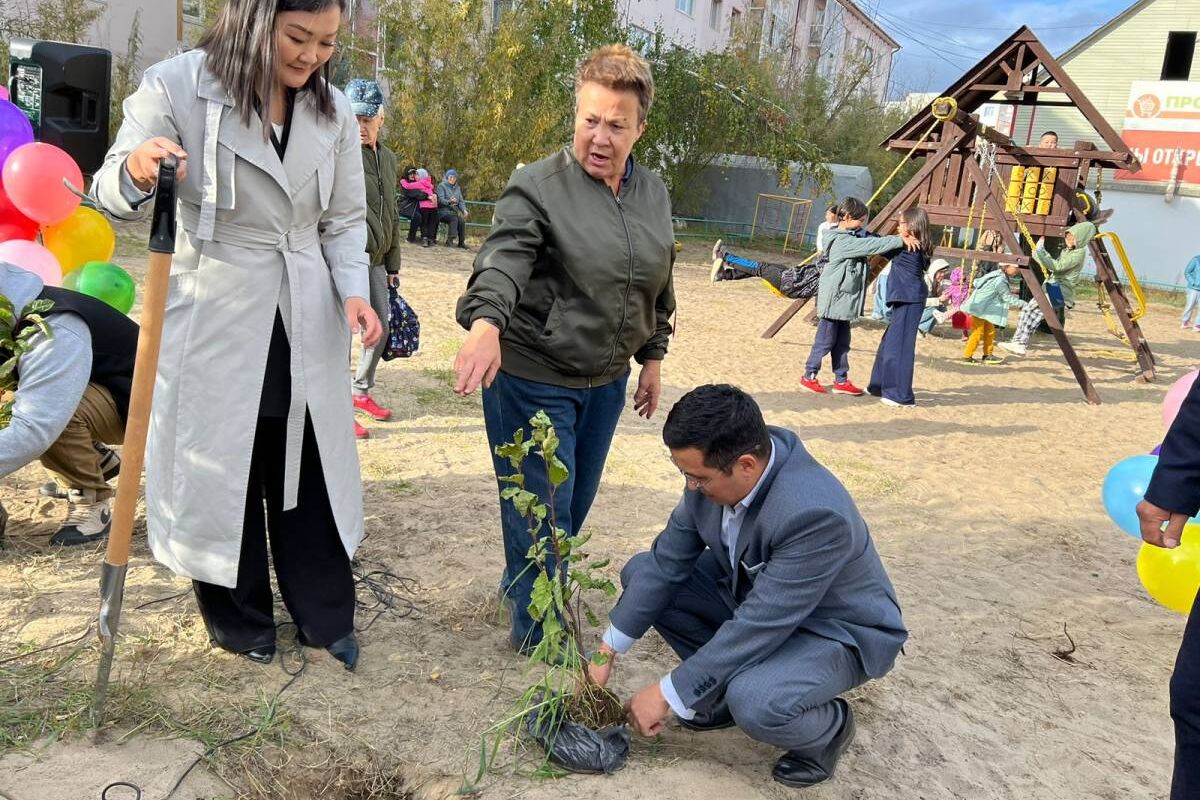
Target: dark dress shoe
[
  {"x": 259, "y": 655},
  {"x": 800, "y": 771},
  {"x": 719, "y": 719},
  {"x": 344, "y": 649}
]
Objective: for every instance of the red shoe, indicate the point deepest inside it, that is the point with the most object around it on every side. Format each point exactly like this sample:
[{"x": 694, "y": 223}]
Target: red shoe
[
  {"x": 813, "y": 385},
  {"x": 364, "y": 403},
  {"x": 360, "y": 432},
  {"x": 846, "y": 387}
]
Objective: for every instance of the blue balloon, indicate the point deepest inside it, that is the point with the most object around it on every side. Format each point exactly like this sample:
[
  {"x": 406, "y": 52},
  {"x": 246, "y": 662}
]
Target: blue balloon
[{"x": 1124, "y": 487}]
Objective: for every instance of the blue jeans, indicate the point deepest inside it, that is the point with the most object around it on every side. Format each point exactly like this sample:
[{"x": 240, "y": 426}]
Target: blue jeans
[
  {"x": 879, "y": 306},
  {"x": 1193, "y": 304},
  {"x": 833, "y": 339},
  {"x": 584, "y": 420},
  {"x": 892, "y": 375}
]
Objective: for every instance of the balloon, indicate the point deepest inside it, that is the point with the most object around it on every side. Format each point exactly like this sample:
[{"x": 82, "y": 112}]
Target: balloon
[
  {"x": 33, "y": 178},
  {"x": 107, "y": 282},
  {"x": 1157, "y": 450},
  {"x": 15, "y": 129},
  {"x": 1175, "y": 397},
  {"x": 1124, "y": 487},
  {"x": 82, "y": 237},
  {"x": 14, "y": 224},
  {"x": 3, "y": 93},
  {"x": 71, "y": 280},
  {"x": 1172, "y": 577},
  {"x": 33, "y": 257}
]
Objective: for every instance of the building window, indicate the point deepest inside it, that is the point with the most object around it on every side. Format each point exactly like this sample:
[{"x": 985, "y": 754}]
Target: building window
[
  {"x": 1177, "y": 63},
  {"x": 686, "y": 6},
  {"x": 640, "y": 38},
  {"x": 714, "y": 15},
  {"x": 193, "y": 11}
]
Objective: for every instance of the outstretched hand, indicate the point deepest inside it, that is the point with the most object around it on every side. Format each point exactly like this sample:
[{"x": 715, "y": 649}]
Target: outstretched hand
[{"x": 478, "y": 360}]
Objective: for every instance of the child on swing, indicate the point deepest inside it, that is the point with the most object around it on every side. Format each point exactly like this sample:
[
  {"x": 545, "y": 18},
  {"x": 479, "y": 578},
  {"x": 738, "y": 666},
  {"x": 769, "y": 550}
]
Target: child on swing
[
  {"x": 907, "y": 296},
  {"x": 841, "y": 293}
]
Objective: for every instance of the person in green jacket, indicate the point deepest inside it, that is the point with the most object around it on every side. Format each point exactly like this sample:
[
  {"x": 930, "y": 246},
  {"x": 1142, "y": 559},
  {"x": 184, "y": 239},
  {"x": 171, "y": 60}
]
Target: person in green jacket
[
  {"x": 573, "y": 281},
  {"x": 842, "y": 292},
  {"x": 988, "y": 306},
  {"x": 383, "y": 235},
  {"x": 1064, "y": 273}
]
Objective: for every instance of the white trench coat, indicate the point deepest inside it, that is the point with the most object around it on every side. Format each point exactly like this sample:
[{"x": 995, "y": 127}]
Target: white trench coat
[{"x": 254, "y": 234}]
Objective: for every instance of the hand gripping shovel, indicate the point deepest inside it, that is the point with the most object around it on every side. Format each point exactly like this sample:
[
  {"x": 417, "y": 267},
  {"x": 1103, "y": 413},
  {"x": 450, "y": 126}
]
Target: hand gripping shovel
[{"x": 154, "y": 301}]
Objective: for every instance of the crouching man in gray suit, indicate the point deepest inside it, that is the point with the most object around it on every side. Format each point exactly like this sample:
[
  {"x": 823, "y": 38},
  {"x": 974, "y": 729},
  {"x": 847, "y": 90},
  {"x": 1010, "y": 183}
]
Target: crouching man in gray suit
[{"x": 767, "y": 585}]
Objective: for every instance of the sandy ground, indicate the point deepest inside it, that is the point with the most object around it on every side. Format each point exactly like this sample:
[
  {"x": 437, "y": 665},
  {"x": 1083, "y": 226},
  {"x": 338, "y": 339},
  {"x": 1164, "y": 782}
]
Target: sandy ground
[{"x": 983, "y": 500}]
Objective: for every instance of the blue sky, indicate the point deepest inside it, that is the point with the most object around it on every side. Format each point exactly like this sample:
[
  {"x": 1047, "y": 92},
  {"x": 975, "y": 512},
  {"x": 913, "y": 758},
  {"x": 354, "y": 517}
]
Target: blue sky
[{"x": 941, "y": 39}]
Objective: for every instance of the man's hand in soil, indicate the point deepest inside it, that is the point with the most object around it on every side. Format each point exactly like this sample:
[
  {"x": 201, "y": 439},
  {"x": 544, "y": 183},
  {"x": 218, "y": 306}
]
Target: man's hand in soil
[
  {"x": 647, "y": 710},
  {"x": 478, "y": 359},
  {"x": 600, "y": 673}
]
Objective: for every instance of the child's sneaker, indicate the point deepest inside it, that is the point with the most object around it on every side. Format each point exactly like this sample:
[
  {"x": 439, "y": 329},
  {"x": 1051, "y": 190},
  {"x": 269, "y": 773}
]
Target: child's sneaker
[
  {"x": 846, "y": 387},
  {"x": 718, "y": 263},
  {"x": 1014, "y": 347},
  {"x": 993, "y": 360},
  {"x": 812, "y": 384},
  {"x": 973, "y": 362}
]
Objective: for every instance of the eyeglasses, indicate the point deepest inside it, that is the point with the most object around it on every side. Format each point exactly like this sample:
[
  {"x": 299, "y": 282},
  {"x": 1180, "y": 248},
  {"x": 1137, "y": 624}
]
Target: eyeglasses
[{"x": 698, "y": 484}]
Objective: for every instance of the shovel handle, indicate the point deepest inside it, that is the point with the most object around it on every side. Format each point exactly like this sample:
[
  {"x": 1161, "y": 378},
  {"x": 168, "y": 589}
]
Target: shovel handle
[{"x": 154, "y": 302}]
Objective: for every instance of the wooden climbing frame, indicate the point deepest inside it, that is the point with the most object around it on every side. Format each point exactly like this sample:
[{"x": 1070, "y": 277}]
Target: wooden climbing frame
[{"x": 951, "y": 185}]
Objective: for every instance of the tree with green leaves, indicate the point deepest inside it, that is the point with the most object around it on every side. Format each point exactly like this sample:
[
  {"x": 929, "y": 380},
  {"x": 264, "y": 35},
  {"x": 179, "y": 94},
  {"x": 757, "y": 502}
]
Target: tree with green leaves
[{"x": 565, "y": 573}]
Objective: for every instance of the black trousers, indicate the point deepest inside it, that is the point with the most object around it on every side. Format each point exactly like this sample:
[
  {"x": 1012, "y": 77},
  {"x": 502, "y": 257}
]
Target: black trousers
[
  {"x": 429, "y": 223},
  {"x": 311, "y": 565},
  {"x": 1185, "y": 710}
]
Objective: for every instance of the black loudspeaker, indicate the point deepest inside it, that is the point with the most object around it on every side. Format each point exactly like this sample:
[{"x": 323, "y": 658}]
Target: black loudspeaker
[{"x": 64, "y": 89}]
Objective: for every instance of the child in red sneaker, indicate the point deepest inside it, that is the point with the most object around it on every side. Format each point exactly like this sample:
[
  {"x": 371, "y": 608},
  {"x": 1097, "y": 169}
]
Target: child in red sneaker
[{"x": 842, "y": 293}]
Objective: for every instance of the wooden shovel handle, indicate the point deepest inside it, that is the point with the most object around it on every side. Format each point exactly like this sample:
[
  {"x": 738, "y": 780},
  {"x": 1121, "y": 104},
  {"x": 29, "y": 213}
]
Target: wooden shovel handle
[{"x": 145, "y": 369}]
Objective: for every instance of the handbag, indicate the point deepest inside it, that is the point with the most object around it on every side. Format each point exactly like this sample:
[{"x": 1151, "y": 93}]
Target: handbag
[{"x": 404, "y": 328}]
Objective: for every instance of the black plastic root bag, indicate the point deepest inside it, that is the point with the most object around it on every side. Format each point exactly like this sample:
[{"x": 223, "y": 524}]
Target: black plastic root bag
[{"x": 578, "y": 748}]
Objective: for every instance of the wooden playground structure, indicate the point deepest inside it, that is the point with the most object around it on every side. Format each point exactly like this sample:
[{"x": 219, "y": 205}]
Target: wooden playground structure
[{"x": 975, "y": 178}]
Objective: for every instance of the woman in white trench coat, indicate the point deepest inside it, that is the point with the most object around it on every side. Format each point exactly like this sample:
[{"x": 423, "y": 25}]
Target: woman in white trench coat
[{"x": 269, "y": 278}]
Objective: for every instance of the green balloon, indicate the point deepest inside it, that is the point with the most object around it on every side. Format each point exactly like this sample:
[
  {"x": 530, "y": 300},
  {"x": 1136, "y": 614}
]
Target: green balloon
[
  {"x": 71, "y": 280},
  {"x": 104, "y": 281}
]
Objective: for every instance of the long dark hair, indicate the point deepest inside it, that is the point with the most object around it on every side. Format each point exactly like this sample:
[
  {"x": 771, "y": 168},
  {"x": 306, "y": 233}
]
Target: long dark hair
[
  {"x": 917, "y": 222},
  {"x": 240, "y": 47}
]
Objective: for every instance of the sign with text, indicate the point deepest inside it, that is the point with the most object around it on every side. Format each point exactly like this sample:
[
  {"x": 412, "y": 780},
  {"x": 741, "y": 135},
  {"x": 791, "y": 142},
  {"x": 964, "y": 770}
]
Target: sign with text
[{"x": 1162, "y": 127}]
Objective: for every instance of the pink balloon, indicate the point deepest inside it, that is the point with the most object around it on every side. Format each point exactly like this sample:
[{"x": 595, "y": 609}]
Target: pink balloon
[
  {"x": 33, "y": 180},
  {"x": 33, "y": 257},
  {"x": 1175, "y": 396}
]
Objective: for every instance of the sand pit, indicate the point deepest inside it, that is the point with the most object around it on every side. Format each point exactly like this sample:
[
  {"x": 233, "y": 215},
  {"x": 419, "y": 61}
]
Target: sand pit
[{"x": 983, "y": 501}]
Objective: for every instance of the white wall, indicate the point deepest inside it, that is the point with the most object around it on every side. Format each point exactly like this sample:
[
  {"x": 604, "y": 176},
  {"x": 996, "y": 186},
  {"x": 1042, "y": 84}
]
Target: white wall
[
  {"x": 158, "y": 27},
  {"x": 1159, "y": 237},
  {"x": 693, "y": 30}
]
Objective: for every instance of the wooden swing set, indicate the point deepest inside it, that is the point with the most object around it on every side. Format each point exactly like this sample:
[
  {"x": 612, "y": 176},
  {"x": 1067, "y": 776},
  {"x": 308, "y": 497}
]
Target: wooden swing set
[{"x": 975, "y": 178}]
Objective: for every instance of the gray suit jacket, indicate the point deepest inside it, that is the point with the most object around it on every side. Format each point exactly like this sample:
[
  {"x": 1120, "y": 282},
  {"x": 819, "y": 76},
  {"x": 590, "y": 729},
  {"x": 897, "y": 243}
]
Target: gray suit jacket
[{"x": 805, "y": 562}]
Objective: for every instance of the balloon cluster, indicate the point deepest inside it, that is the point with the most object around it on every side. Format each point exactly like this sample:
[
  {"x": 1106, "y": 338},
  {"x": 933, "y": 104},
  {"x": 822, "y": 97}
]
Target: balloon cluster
[
  {"x": 1172, "y": 577},
  {"x": 77, "y": 242}
]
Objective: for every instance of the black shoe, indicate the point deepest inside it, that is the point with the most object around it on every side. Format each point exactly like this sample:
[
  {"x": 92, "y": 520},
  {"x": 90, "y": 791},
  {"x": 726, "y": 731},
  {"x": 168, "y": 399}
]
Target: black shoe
[
  {"x": 259, "y": 655},
  {"x": 344, "y": 649},
  {"x": 718, "y": 720},
  {"x": 427, "y": 243},
  {"x": 463, "y": 246},
  {"x": 800, "y": 771}
]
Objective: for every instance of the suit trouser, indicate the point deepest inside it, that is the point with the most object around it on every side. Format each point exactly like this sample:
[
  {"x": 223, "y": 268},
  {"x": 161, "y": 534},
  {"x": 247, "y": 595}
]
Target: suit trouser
[
  {"x": 73, "y": 460},
  {"x": 310, "y": 561},
  {"x": 1185, "y": 710},
  {"x": 892, "y": 373},
  {"x": 364, "y": 378},
  {"x": 784, "y": 699}
]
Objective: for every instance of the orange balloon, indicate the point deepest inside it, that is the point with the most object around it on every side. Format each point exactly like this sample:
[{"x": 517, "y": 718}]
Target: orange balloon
[{"x": 82, "y": 237}]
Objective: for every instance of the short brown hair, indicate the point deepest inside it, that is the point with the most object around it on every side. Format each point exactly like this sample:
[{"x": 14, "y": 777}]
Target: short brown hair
[{"x": 620, "y": 68}]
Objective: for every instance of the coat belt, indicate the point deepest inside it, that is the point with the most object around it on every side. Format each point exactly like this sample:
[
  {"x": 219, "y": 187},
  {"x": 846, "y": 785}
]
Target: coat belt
[{"x": 287, "y": 243}]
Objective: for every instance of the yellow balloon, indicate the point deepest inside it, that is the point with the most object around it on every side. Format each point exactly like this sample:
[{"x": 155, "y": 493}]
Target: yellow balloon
[
  {"x": 82, "y": 237},
  {"x": 1172, "y": 577}
]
